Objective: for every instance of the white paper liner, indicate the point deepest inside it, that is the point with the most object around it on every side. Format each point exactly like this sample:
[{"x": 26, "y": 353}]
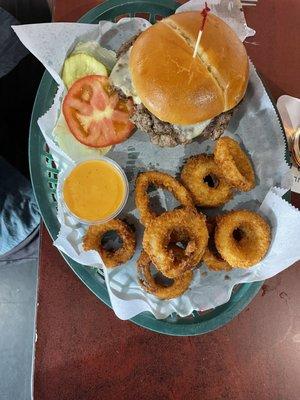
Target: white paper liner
[
  {"x": 254, "y": 124},
  {"x": 230, "y": 11}
]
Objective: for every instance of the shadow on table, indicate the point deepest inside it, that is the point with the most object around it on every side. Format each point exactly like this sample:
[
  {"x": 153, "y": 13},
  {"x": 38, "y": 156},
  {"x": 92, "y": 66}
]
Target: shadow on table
[{"x": 18, "y": 88}]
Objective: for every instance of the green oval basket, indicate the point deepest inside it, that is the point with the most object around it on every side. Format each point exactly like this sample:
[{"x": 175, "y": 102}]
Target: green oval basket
[{"x": 44, "y": 179}]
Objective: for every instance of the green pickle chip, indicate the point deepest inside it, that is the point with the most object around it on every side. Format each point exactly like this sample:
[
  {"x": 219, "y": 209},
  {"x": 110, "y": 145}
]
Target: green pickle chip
[{"x": 79, "y": 65}]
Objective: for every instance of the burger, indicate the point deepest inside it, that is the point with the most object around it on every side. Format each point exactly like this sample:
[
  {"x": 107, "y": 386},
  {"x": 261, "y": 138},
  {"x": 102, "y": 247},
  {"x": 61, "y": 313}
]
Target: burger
[{"x": 177, "y": 97}]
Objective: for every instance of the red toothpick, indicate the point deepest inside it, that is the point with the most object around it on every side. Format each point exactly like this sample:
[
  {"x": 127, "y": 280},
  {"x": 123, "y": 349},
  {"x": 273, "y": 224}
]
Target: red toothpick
[{"x": 204, "y": 14}]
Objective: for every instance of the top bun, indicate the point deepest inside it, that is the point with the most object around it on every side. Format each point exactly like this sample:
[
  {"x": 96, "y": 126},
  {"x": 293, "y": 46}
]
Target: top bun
[{"x": 178, "y": 88}]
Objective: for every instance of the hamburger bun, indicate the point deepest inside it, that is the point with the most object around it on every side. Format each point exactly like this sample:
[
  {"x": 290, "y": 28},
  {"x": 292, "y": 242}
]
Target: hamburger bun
[{"x": 178, "y": 88}]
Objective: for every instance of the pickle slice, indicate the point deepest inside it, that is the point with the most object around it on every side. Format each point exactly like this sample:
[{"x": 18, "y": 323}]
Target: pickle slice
[
  {"x": 107, "y": 57},
  {"x": 79, "y": 65}
]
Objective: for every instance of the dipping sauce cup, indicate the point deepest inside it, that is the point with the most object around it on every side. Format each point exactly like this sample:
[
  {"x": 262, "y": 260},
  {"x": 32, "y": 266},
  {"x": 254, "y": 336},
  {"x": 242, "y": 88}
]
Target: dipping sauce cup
[{"x": 94, "y": 191}]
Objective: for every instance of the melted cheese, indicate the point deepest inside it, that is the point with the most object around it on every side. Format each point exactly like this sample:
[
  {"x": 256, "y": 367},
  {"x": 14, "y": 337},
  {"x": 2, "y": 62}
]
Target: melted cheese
[
  {"x": 120, "y": 77},
  {"x": 192, "y": 131}
]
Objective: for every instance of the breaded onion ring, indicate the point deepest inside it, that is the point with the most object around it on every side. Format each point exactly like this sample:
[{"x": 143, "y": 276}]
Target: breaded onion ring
[
  {"x": 157, "y": 238},
  {"x": 242, "y": 238},
  {"x": 180, "y": 244},
  {"x": 204, "y": 179},
  {"x": 159, "y": 179},
  {"x": 234, "y": 164},
  {"x": 151, "y": 285},
  {"x": 211, "y": 256},
  {"x": 111, "y": 259}
]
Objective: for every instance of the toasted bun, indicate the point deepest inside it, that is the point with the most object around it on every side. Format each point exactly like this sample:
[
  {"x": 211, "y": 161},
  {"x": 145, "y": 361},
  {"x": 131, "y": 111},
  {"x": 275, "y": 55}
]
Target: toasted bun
[{"x": 178, "y": 88}]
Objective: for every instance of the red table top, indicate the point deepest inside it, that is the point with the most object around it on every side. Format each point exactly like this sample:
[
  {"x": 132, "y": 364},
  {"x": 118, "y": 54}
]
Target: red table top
[{"x": 85, "y": 352}]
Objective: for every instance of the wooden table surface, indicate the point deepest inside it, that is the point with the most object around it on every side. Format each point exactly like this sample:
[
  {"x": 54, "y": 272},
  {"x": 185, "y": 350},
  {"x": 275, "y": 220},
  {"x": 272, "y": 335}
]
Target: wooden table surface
[{"x": 84, "y": 352}]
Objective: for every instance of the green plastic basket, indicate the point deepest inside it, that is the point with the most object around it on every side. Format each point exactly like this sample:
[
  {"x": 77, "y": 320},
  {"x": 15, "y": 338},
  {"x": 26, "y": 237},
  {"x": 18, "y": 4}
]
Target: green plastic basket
[{"x": 44, "y": 179}]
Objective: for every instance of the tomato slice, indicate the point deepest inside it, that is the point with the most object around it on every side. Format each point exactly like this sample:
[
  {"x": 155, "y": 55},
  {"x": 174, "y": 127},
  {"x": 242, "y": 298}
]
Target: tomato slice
[{"x": 95, "y": 114}]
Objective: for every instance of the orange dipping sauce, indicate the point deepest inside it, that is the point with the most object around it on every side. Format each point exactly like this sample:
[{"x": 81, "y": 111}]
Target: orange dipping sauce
[{"x": 95, "y": 190}]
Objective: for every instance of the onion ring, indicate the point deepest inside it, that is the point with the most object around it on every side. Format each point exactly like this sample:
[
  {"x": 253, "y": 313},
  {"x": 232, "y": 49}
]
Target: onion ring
[
  {"x": 234, "y": 164},
  {"x": 211, "y": 256},
  {"x": 213, "y": 193},
  {"x": 111, "y": 259},
  {"x": 151, "y": 285},
  {"x": 242, "y": 238},
  {"x": 157, "y": 238},
  {"x": 159, "y": 179},
  {"x": 180, "y": 244}
]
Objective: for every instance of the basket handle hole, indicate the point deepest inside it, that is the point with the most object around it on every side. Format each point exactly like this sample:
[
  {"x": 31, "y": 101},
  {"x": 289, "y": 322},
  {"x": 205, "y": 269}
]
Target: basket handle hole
[
  {"x": 142, "y": 15},
  {"x": 121, "y": 16}
]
